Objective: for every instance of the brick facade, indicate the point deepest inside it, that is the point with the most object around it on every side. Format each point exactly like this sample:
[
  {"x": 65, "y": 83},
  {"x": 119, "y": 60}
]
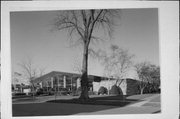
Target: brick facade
[
  {"x": 132, "y": 87},
  {"x": 128, "y": 86},
  {"x": 67, "y": 80}
]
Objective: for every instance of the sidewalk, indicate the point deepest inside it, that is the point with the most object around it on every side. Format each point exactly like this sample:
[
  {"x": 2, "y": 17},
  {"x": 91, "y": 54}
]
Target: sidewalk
[
  {"x": 148, "y": 106},
  {"x": 126, "y": 110},
  {"x": 41, "y": 99},
  {"x": 146, "y": 100}
]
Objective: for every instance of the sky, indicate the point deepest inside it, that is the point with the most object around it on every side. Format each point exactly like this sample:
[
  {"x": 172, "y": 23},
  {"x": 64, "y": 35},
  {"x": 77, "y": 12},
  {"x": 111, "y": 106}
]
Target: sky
[{"x": 32, "y": 37}]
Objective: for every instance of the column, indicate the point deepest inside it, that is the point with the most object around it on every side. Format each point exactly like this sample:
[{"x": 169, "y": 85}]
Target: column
[
  {"x": 47, "y": 85},
  {"x": 78, "y": 83},
  {"x": 71, "y": 83},
  {"x": 64, "y": 81},
  {"x": 40, "y": 84},
  {"x": 58, "y": 82},
  {"x": 51, "y": 82}
]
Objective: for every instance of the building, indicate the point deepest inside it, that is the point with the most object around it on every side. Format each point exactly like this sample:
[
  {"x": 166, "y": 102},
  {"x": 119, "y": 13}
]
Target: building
[
  {"x": 128, "y": 86},
  {"x": 21, "y": 88},
  {"x": 63, "y": 80},
  {"x": 71, "y": 81}
]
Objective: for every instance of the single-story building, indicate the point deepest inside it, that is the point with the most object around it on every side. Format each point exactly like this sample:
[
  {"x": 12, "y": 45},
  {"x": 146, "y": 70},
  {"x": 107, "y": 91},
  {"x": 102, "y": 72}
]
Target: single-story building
[
  {"x": 21, "y": 88},
  {"x": 58, "y": 80},
  {"x": 71, "y": 81},
  {"x": 128, "y": 86}
]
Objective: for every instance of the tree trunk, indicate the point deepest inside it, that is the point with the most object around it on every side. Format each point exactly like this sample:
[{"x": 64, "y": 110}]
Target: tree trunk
[
  {"x": 142, "y": 90},
  {"x": 33, "y": 91},
  {"x": 116, "y": 81},
  {"x": 84, "y": 78}
]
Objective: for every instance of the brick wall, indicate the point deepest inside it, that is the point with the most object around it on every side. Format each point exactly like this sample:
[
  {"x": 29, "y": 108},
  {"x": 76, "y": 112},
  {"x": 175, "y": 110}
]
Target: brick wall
[
  {"x": 108, "y": 84},
  {"x": 132, "y": 87},
  {"x": 128, "y": 86}
]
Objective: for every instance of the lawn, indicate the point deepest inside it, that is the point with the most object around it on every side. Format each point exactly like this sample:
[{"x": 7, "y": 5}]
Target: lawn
[
  {"x": 139, "y": 97},
  {"x": 49, "y": 109},
  {"x": 69, "y": 105},
  {"x": 102, "y": 100}
]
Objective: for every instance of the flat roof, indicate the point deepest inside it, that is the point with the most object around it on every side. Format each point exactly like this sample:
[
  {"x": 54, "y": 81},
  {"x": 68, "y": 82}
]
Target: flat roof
[{"x": 58, "y": 73}]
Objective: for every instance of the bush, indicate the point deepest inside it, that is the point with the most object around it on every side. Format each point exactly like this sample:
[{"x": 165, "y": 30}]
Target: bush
[
  {"x": 151, "y": 88},
  {"x": 20, "y": 94},
  {"x": 31, "y": 94},
  {"x": 102, "y": 90},
  {"x": 64, "y": 89},
  {"x": 115, "y": 90},
  {"x": 39, "y": 91}
]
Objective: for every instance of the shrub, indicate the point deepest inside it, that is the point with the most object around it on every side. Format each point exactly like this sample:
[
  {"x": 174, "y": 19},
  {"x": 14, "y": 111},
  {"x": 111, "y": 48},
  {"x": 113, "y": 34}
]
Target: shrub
[
  {"x": 115, "y": 90},
  {"x": 39, "y": 91},
  {"x": 64, "y": 91},
  {"x": 31, "y": 94},
  {"x": 20, "y": 94},
  {"x": 102, "y": 90}
]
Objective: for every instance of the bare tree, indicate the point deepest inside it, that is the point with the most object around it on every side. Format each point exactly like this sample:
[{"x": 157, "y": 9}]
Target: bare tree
[
  {"x": 41, "y": 71},
  {"x": 155, "y": 78},
  {"x": 77, "y": 65},
  {"x": 31, "y": 71},
  {"x": 148, "y": 74},
  {"x": 16, "y": 78},
  {"x": 117, "y": 63},
  {"x": 83, "y": 23}
]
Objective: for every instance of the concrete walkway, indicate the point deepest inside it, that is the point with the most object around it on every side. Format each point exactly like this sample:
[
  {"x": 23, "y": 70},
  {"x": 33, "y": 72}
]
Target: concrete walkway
[
  {"x": 126, "y": 110},
  {"x": 146, "y": 100},
  {"x": 135, "y": 108},
  {"x": 41, "y": 99}
]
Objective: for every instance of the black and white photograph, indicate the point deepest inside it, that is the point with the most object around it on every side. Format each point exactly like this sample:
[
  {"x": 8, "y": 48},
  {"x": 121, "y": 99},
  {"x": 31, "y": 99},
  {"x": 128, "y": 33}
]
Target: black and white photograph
[{"x": 87, "y": 62}]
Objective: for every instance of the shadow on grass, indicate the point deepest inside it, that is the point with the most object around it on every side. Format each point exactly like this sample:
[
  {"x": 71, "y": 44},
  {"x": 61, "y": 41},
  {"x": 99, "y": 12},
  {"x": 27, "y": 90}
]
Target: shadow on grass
[
  {"x": 106, "y": 100},
  {"x": 70, "y": 106}
]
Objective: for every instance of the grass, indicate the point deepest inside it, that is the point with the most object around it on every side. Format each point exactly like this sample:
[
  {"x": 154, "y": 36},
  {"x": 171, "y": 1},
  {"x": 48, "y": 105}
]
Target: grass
[
  {"x": 52, "y": 109},
  {"x": 106, "y": 100},
  {"x": 118, "y": 100},
  {"x": 69, "y": 105},
  {"x": 139, "y": 97}
]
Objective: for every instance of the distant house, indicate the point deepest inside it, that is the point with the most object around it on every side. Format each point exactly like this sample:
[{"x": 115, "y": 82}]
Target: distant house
[
  {"x": 21, "y": 88},
  {"x": 71, "y": 81}
]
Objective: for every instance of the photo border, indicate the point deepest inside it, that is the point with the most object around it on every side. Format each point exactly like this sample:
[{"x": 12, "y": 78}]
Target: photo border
[{"x": 168, "y": 48}]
